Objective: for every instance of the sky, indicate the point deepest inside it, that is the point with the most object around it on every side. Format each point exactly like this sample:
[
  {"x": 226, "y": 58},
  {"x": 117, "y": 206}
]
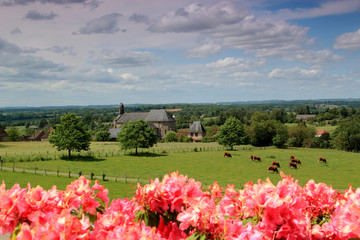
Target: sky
[{"x": 105, "y": 52}]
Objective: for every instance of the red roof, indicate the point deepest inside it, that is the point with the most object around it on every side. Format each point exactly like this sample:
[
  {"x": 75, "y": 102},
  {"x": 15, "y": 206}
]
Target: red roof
[{"x": 321, "y": 132}]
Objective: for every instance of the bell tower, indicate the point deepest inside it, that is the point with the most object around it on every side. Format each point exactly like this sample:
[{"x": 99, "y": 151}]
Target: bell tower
[{"x": 121, "y": 109}]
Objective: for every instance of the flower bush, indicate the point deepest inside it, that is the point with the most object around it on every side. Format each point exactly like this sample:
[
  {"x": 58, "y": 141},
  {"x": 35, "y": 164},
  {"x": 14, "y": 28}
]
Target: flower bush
[{"x": 177, "y": 207}]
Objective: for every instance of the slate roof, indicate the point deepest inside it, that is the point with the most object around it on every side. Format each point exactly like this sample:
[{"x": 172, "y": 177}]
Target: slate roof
[
  {"x": 3, "y": 133},
  {"x": 127, "y": 117},
  {"x": 305, "y": 116},
  {"x": 196, "y": 127},
  {"x": 159, "y": 116},
  {"x": 152, "y": 116},
  {"x": 114, "y": 132}
]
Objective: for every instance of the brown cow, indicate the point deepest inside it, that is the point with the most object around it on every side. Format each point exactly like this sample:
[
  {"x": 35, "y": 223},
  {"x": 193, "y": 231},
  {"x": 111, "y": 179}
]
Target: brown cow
[
  {"x": 292, "y": 164},
  {"x": 275, "y": 164},
  {"x": 272, "y": 168},
  {"x": 322, "y": 159},
  {"x": 297, "y": 161},
  {"x": 226, "y": 154},
  {"x": 256, "y": 158}
]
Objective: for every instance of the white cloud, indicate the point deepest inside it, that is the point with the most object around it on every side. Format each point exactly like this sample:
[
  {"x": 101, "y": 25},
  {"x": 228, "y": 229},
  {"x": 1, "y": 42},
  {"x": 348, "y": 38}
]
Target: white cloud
[
  {"x": 262, "y": 37},
  {"x": 236, "y": 63},
  {"x": 295, "y": 73},
  {"x": 197, "y": 17},
  {"x": 204, "y": 51},
  {"x": 104, "y": 24},
  {"x": 324, "y": 56},
  {"x": 348, "y": 41},
  {"x": 129, "y": 77}
]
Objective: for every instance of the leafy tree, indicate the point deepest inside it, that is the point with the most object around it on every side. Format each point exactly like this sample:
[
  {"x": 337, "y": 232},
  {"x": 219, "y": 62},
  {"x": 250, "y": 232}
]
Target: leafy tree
[
  {"x": 43, "y": 123},
  {"x": 13, "y": 134},
  {"x": 136, "y": 134},
  {"x": 281, "y": 136},
  {"x": 171, "y": 136},
  {"x": 262, "y": 133},
  {"x": 347, "y": 135},
  {"x": 102, "y": 136},
  {"x": 183, "y": 138},
  {"x": 232, "y": 133},
  {"x": 323, "y": 141},
  {"x": 70, "y": 135},
  {"x": 301, "y": 135}
]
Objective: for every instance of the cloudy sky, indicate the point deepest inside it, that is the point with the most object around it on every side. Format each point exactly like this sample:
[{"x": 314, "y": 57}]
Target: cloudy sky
[{"x": 92, "y": 52}]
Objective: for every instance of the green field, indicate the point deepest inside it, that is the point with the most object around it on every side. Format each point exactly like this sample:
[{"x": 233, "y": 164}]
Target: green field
[{"x": 206, "y": 165}]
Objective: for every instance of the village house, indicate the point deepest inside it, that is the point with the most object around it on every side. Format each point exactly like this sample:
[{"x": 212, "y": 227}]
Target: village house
[
  {"x": 320, "y": 132},
  {"x": 3, "y": 135},
  {"x": 159, "y": 119},
  {"x": 196, "y": 131}
]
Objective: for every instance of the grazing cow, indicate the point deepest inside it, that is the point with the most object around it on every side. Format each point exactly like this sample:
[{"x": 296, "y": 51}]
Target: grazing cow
[
  {"x": 272, "y": 168},
  {"x": 251, "y": 157},
  {"x": 256, "y": 158},
  {"x": 275, "y": 164},
  {"x": 322, "y": 159},
  {"x": 226, "y": 154},
  {"x": 292, "y": 164},
  {"x": 297, "y": 161}
]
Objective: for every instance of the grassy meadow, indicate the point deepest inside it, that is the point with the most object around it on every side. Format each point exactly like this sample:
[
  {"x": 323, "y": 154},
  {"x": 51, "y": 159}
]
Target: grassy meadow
[{"x": 206, "y": 165}]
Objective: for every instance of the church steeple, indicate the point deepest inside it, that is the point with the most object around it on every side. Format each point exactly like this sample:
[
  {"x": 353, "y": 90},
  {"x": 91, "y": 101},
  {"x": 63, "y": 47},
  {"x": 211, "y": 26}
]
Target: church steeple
[{"x": 121, "y": 109}]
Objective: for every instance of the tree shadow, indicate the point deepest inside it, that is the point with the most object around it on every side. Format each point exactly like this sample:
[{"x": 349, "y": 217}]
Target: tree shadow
[
  {"x": 82, "y": 159},
  {"x": 147, "y": 154}
]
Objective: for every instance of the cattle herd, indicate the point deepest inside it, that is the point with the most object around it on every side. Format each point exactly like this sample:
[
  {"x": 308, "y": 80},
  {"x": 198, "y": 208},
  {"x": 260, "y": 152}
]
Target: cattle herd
[{"x": 294, "y": 162}]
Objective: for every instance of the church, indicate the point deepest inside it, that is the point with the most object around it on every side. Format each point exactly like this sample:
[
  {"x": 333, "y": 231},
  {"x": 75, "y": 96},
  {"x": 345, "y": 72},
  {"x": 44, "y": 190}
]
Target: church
[{"x": 159, "y": 119}]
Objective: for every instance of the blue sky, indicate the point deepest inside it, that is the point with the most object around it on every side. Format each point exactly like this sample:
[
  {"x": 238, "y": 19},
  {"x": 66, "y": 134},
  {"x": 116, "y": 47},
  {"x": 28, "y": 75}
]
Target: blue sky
[{"x": 92, "y": 52}]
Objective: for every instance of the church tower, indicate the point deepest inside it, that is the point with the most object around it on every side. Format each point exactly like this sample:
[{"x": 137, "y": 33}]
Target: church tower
[{"x": 121, "y": 109}]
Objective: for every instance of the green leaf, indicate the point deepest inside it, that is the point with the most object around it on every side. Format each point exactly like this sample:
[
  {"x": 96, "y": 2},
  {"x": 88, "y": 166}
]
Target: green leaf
[
  {"x": 197, "y": 236},
  {"x": 16, "y": 231}
]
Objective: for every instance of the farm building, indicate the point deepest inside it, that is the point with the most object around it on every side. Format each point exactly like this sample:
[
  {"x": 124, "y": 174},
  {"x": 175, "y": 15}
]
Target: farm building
[
  {"x": 320, "y": 132},
  {"x": 196, "y": 131},
  {"x": 113, "y": 132},
  {"x": 159, "y": 119},
  {"x": 304, "y": 117},
  {"x": 45, "y": 137},
  {"x": 37, "y": 136},
  {"x": 3, "y": 135}
]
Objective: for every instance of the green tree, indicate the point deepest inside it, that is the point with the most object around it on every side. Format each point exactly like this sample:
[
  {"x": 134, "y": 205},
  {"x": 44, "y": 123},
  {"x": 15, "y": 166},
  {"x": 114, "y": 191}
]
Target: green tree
[
  {"x": 136, "y": 134},
  {"x": 171, "y": 136},
  {"x": 301, "y": 135},
  {"x": 232, "y": 133},
  {"x": 102, "y": 136},
  {"x": 43, "y": 123},
  {"x": 347, "y": 135},
  {"x": 281, "y": 136},
  {"x": 14, "y": 134},
  {"x": 70, "y": 135}
]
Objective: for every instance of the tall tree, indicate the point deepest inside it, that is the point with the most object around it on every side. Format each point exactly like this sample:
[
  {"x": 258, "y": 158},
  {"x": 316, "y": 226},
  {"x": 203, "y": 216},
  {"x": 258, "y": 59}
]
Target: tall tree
[
  {"x": 232, "y": 133},
  {"x": 136, "y": 134},
  {"x": 347, "y": 135},
  {"x": 13, "y": 134},
  {"x": 70, "y": 135}
]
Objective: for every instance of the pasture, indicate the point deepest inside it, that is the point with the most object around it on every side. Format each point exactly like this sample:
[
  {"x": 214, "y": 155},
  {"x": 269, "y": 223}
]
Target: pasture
[{"x": 206, "y": 165}]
